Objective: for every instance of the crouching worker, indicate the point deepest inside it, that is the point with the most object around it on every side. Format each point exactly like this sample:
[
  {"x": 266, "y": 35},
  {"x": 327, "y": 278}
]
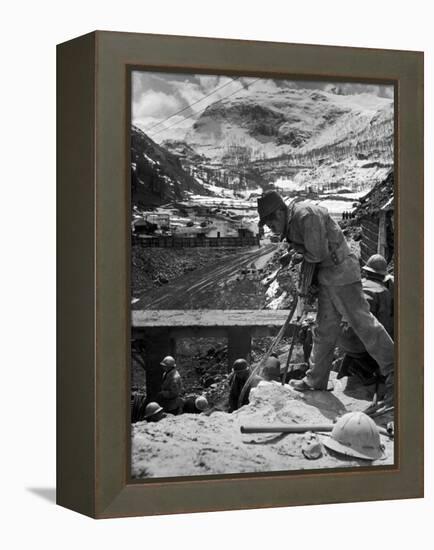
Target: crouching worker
[
  {"x": 153, "y": 412},
  {"x": 169, "y": 396},
  {"x": 195, "y": 404},
  {"x": 239, "y": 376},
  {"x": 357, "y": 360}
]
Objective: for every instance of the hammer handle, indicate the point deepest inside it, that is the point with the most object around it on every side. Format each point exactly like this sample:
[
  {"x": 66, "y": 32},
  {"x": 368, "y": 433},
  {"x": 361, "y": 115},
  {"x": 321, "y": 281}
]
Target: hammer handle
[
  {"x": 297, "y": 428},
  {"x": 286, "y": 428}
]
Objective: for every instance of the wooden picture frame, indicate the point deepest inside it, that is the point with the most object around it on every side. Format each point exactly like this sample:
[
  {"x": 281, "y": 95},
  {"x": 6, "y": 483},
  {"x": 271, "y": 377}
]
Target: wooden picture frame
[{"x": 93, "y": 274}]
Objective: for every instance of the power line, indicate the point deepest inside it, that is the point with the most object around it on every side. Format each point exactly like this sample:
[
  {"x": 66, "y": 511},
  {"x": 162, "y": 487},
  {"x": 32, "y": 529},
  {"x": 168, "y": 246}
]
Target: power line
[
  {"x": 200, "y": 112},
  {"x": 194, "y": 103}
]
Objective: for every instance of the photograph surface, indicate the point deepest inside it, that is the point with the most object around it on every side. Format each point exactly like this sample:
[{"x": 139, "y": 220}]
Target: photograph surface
[{"x": 262, "y": 274}]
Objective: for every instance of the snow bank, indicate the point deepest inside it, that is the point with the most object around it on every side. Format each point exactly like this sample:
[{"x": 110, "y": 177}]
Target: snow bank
[{"x": 189, "y": 445}]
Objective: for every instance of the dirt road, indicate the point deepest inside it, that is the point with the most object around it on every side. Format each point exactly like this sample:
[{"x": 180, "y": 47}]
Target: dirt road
[{"x": 211, "y": 287}]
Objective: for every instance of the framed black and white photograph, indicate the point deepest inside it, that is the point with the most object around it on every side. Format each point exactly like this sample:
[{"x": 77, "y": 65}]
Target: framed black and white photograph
[
  {"x": 260, "y": 347},
  {"x": 246, "y": 277}
]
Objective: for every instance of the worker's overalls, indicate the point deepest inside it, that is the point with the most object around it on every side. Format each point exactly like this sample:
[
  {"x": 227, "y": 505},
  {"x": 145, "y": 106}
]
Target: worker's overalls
[{"x": 312, "y": 231}]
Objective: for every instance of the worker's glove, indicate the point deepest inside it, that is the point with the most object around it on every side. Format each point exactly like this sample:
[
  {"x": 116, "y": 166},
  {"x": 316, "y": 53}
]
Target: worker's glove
[
  {"x": 297, "y": 258},
  {"x": 286, "y": 258},
  {"x": 290, "y": 258}
]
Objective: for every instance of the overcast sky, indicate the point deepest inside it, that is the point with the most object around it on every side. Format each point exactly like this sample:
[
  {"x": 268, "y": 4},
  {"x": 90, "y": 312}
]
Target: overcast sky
[{"x": 158, "y": 98}]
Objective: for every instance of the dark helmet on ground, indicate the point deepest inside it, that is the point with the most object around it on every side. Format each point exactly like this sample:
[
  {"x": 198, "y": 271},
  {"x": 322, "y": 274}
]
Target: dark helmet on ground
[
  {"x": 151, "y": 409},
  {"x": 201, "y": 403},
  {"x": 356, "y": 434},
  {"x": 376, "y": 264},
  {"x": 240, "y": 365},
  {"x": 268, "y": 204}
]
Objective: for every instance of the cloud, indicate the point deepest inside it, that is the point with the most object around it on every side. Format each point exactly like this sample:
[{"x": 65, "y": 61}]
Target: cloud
[
  {"x": 178, "y": 128},
  {"x": 210, "y": 83},
  {"x": 191, "y": 92},
  {"x": 199, "y": 92},
  {"x": 157, "y": 105}
]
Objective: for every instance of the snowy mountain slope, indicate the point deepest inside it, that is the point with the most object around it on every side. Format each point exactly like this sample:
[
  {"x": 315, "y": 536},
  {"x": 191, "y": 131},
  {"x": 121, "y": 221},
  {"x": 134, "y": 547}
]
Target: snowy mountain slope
[
  {"x": 289, "y": 120},
  {"x": 182, "y": 150},
  {"x": 156, "y": 174}
]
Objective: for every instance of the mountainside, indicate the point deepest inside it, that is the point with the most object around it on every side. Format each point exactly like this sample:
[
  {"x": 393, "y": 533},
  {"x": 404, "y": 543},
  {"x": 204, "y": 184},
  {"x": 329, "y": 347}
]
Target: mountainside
[
  {"x": 156, "y": 174},
  {"x": 382, "y": 193},
  {"x": 273, "y": 123},
  {"x": 182, "y": 150}
]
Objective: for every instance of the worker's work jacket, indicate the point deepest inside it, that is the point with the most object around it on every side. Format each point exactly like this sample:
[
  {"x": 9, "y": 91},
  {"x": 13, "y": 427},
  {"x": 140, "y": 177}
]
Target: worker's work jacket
[
  {"x": 380, "y": 302},
  {"x": 170, "y": 394},
  {"x": 312, "y": 232},
  {"x": 237, "y": 382}
]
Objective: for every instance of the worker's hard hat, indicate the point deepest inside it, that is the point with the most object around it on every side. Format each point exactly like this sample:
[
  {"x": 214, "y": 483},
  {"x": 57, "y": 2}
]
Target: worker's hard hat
[
  {"x": 273, "y": 362},
  {"x": 268, "y": 203},
  {"x": 376, "y": 264},
  {"x": 271, "y": 369},
  {"x": 356, "y": 434},
  {"x": 168, "y": 361},
  {"x": 240, "y": 365},
  {"x": 151, "y": 409},
  {"x": 201, "y": 403}
]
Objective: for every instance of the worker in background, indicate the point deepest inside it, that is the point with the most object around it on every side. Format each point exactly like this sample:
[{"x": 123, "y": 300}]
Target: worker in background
[
  {"x": 311, "y": 231},
  {"x": 169, "y": 396},
  {"x": 239, "y": 376},
  {"x": 137, "y": 407},
  {"x": 357, "y": 360},
  {"x": 195, "y": 404}
]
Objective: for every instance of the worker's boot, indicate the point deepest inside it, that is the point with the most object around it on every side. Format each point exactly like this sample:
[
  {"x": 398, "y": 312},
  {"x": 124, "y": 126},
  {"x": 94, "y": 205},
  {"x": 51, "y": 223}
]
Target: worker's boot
[
  {"x": 301, "y": 385},
  {"x": 297, "y": 372}
]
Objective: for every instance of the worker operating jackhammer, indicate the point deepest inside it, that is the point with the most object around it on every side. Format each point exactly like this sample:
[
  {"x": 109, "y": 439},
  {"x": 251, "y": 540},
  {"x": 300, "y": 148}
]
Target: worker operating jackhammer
[{"x": 310, "y": 230}]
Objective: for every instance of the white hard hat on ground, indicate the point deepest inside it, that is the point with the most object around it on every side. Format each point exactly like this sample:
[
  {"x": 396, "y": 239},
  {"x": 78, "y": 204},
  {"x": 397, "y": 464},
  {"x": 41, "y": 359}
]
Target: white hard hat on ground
[{"x": 356, "y": 434}]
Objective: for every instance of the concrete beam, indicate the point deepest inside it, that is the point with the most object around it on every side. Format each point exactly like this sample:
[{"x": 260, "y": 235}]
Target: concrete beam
[{"x": 208, "y": 318}]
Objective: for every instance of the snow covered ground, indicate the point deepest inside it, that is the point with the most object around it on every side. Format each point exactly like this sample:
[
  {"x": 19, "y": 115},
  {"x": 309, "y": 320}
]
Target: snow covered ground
[
  {"x": 189, "y": 444},
  {"x": 356, "y": 195},
  {"x": 335, "y": 207},
  {"x": 360, "y": 175}
]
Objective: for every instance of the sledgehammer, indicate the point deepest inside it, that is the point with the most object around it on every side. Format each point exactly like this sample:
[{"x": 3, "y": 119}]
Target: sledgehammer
[{"x": 297, "y": 429}]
